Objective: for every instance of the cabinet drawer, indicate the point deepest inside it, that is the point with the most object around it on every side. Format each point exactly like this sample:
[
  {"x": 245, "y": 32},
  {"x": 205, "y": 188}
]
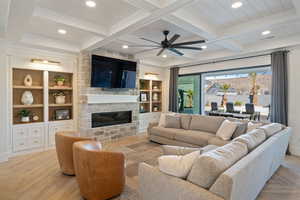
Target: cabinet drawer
[
  {"x": 56, "y": 128},
  {"x": 36, "y": 142},
  {"x": 20, "y": 145},
  {"x": 36, "y": 131},
  {"x": 20, "y": 133}
]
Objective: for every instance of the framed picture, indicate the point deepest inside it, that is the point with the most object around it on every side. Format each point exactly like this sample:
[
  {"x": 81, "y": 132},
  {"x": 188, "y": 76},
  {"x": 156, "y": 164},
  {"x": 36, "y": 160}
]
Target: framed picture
[
  {"x": 143, "y": 97},
  {"x": 62, "y": 114}
]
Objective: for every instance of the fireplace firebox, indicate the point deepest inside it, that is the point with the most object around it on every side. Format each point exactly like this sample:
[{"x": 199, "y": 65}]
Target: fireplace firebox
[{"x": 111, "y": 118}]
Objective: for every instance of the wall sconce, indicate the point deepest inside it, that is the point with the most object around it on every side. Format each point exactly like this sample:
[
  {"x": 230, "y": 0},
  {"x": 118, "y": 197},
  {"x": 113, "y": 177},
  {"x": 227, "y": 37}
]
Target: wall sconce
[
  {"x": 47, "y": 62},
  {"x": 151, "y": 73}
]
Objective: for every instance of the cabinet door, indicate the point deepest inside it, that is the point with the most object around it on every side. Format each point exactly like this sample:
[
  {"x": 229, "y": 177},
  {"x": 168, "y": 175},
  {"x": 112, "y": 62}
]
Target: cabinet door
[
  {"x": 20, "y": 133},
  {"x": 53, "y": 128}
]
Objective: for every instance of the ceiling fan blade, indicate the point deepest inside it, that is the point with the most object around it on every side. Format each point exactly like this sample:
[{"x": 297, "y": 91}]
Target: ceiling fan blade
[
  {"x": 175, "y": 37},
  {"x": 189, "y": 43},
  {"x": 144, "y": 46},
  {"x": 150, "y": 41},
  {"x": 175, "y": 51},
  {"x": 160, "y": 52},
  {"x": 191, "y": 48}
]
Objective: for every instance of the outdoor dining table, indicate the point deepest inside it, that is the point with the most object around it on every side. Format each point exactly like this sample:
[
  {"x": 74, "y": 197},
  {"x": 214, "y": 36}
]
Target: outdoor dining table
[{"x": 227, "y": 114}]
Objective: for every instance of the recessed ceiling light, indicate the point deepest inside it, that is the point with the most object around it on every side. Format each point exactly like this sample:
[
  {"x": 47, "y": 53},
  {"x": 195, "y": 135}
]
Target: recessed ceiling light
[
  {"x": 125, "y": 46},
  {"x": 164, "y": 56},
  {"x": 204, "y": 47},
  {"x": 266, "y": 32},
  {"x": 237, "y": 4},
  {"x": 90, "y": 4},
  {"x": 62, "y": 31}
]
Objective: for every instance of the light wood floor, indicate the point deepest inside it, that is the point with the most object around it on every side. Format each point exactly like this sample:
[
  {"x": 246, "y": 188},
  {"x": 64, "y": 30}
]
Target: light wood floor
[{"x": 37, "y": 176}]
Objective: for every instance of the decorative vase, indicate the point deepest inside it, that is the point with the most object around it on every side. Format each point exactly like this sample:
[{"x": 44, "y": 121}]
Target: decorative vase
[
  {"x": 60, "y": 99},
  {"x": 60, "y": 83},
  {"x": 155, "y": 109},
  {"x": 27, "y": 98},
  {"x": 28, "y": 80},
  {"x": 25, "y": 119},
  {"x": 155, "y": 97}
]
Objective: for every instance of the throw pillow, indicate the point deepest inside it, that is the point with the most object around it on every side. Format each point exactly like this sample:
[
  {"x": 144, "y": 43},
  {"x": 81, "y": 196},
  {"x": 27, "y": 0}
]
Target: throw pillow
[
  {"x": 240, "y": 129},
  {"x": 271, "y": 129},
  {"x": 178, "y": 166},
  {"x": 252, "y": 126},
  {"x": 162, "y": 119},
  {"x": 226, "y": 130},
  {"x": 172, "y": 121},
  {"x": 185, "y": 121},
  {"x": 210, "y": 165},
  {"x": 252, "y": 139}
]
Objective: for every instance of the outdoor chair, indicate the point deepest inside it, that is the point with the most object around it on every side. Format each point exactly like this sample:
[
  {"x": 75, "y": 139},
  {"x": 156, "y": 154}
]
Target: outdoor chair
[
  {"x": 214, "y": 106},
  {"x": 251, "y": 111},
  {"x": 230, "y": 108}
]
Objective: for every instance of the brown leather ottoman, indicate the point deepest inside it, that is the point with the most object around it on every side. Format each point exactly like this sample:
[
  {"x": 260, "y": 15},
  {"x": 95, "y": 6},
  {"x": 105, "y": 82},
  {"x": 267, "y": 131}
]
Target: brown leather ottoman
[
  {"x": 100, "y": 174},
  {"x": 64, "y": 148}
]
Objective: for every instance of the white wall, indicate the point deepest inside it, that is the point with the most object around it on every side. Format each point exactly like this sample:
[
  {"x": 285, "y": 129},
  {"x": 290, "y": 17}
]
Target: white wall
[
  {"x": 3, "y": 103},
  {"x": 294, "y": 99}
]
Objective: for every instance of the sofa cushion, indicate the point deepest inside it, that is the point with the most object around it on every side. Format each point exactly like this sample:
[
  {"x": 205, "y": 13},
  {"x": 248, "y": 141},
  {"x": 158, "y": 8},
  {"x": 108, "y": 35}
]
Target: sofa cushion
[
  {"x": 208, "y": 148},
  {"x": 206, "y": 123},
  {"x": 217, "y": 141},
  {"x": 178, "y": 166},
  {"x": 185, "y": 121},
  {"x": 253, "y": 125},
  {"x": 226, "y": 130},
  {"x": 210, "y": 165},
  {"x": 194, "y": 137},
  {"x": 271, "y": 129},
  {"x": 252, "y": 139},
  {"x": 172, "y": 121},
  {"x": 162, "y": 119},
  {"x": 166, "y": 132}
]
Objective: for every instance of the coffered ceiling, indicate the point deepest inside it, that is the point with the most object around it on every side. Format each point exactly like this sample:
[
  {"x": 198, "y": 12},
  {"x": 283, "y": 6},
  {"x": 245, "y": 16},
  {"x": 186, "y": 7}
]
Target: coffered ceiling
[{"x": 112, "y": 24}]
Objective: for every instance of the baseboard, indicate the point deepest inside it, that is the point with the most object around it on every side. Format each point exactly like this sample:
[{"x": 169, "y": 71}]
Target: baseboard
[
  {"x": 295, "y": 151},
  {"x": 4, "y": 157}
]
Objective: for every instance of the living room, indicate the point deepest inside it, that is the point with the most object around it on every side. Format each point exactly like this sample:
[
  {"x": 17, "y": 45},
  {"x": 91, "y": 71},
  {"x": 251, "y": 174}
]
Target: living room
[{"x": 148, "y": 99}]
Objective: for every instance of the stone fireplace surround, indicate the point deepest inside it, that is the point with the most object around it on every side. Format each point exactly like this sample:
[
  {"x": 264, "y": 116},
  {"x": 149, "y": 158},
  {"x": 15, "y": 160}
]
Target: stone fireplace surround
[{"x": 86, "y": 107}]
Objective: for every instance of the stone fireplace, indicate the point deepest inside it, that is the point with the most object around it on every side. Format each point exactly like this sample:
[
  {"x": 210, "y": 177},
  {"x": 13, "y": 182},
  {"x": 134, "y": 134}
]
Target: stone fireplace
[{"x": 93, "y": 101}]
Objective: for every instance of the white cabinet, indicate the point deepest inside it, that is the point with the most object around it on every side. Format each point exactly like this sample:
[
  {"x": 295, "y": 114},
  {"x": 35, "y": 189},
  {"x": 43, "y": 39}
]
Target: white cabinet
[
  {"x": 58, "y": 126},
  {"x": 27, "y": 137}
]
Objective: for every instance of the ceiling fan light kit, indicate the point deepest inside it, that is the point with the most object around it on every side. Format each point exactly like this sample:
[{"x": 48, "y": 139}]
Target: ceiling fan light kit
[{"x": 168, "y": 44}]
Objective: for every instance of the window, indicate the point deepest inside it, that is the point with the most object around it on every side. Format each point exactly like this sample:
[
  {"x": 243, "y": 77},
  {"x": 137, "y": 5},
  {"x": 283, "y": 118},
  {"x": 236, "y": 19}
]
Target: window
[
  {"x": 252, "y": 85},
  {"x": 189, "y": 94}
]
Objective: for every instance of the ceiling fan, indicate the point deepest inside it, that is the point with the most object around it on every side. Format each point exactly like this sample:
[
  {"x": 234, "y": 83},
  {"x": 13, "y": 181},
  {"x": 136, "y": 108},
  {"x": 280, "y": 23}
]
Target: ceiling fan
[{"x": 168, "y": 44}]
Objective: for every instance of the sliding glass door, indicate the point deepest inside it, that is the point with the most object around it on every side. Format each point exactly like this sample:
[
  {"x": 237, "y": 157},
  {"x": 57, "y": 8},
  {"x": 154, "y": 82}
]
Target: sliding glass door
[{"x": 189, "y": 94}]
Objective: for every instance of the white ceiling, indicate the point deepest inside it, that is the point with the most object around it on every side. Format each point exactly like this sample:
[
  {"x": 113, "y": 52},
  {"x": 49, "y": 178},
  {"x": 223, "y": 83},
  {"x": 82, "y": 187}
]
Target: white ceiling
[{"x": 113, "y": 23}]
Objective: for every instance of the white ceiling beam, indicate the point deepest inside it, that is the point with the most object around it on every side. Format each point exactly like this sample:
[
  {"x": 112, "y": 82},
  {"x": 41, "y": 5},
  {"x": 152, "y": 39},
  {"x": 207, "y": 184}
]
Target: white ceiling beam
[
  {"x": 41, "y": 41},
  {"x": 139, "y": 22},
  {"x": 297, "y": 6},
  {"x": 187, "y": 21},
  {"x": 83, "y": 25},
  {"x": 19, "y": 17},
  {"x": 4, "y": 13},
  {"x": 260, "y": 24}
]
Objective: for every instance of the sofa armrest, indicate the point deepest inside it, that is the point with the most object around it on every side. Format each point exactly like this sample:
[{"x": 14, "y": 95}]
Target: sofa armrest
[
  {"x": 150, "y": 126},
  {"x": 155, "y": 185}
]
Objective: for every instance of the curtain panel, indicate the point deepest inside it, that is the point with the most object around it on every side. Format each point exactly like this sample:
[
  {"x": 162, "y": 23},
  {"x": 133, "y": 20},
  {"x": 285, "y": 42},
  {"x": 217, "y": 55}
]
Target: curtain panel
[{"x": 173, "y": 99}]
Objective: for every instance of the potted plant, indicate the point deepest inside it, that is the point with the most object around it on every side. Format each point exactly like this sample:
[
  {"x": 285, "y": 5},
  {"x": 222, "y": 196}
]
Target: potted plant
[
  {"x": 60, "y": 80},
  {"x": 60, "y": 97},
  {"x": 25, "y": 115},
  {"x": 224, "y": 88}
]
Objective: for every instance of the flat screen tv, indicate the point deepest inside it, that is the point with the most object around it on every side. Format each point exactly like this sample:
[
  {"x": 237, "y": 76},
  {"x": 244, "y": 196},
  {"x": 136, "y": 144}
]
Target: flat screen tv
[{"x": 112, "y": 73}]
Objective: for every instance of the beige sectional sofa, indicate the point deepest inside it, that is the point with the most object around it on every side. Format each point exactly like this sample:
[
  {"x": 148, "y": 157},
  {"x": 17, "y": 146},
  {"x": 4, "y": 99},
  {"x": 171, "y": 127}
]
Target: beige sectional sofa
[
  {"x": 242, "y": 180},
  {"x": 200, "y": 131}
]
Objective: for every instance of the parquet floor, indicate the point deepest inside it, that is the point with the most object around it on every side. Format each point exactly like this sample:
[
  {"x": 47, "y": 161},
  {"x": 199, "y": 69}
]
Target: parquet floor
[{"x": 37, "y": 176}]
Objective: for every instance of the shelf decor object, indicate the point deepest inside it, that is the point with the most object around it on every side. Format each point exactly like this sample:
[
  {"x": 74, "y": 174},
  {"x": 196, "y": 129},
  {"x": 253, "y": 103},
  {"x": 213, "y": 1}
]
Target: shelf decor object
[
  {"x": 27, "y": 98},
  {"x": 60, "y": 80},
  {"x": 28, "y": 81},
  {"x": 25, "y": 115},
  {"x": 60, "y": 97}
]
